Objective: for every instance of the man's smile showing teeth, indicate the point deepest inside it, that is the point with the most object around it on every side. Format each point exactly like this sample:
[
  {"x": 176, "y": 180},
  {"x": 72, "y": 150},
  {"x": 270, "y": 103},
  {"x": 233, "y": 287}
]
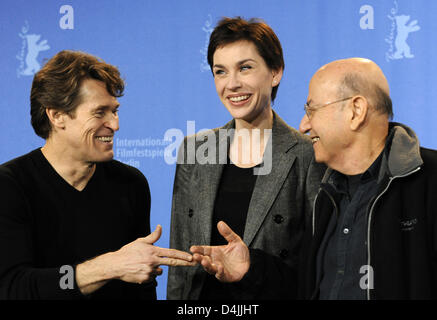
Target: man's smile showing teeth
[
  {"x": 239, "y": 98},
  {"x": 315, "y": 139},
  {"x": 105, "y": 139}
]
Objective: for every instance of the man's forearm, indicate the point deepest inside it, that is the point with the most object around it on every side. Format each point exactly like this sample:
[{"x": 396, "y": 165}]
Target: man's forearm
[{"x": 91, "y": 275}]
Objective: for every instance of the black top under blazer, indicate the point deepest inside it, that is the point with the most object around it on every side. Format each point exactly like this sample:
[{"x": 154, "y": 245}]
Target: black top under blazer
[{"x": 280, "y": 204}]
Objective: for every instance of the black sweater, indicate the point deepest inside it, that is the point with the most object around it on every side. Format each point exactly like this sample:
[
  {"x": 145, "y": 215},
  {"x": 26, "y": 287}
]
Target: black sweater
[{"x": 45, "y": 223}]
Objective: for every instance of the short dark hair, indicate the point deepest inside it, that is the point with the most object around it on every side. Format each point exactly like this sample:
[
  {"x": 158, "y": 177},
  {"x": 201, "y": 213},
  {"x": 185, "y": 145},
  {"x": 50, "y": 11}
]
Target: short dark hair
[
  {"x": 229, "y": 30},
  {"x": 57, "y": 85},
  {"x": 353, "y": 83}
]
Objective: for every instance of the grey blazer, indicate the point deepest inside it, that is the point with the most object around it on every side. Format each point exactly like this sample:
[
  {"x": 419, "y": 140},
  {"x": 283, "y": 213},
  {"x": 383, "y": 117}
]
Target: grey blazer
[{"x": 280, "y": 203}]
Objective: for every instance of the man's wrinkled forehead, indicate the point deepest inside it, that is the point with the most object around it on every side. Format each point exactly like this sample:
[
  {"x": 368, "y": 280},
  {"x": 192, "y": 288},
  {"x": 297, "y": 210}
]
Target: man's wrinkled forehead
[{"x": 325, "y": 81}]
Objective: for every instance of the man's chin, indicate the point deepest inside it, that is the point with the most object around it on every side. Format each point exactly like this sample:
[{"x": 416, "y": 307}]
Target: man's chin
[{"x": 104, "y": 158}]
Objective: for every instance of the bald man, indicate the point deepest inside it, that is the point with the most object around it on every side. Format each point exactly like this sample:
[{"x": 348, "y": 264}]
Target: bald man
[{"x": 373, "y": 230}]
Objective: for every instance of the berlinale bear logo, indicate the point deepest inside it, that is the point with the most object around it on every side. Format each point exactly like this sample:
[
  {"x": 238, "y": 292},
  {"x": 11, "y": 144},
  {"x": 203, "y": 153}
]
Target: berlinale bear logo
[
  {"x": 399, "y": 32},
  {"x": 31, "y": 45},
  {"x": 29, "y": 64},
  {"x": 403, "y": 30}
]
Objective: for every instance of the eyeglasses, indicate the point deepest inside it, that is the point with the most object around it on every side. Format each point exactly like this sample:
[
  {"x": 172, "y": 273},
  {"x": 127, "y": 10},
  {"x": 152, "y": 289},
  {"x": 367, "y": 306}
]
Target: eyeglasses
[{"x": 309, "y": 109}]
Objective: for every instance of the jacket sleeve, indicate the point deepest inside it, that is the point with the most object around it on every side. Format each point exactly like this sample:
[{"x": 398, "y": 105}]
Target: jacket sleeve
[
  {"x": 142, "y": 202},
  {"x": 19, "y": 277}
]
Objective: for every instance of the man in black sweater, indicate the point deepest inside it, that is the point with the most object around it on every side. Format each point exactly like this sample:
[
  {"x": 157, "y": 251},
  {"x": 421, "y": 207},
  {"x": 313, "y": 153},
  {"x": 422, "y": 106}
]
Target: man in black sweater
[
  {"x": 74, "y": 223},
  {"x": 373, "y": 230}
]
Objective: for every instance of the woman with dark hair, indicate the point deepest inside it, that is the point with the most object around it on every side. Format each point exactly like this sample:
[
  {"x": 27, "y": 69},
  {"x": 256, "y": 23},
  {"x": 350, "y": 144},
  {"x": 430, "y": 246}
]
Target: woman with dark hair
[{"x": 266, "y": 184}]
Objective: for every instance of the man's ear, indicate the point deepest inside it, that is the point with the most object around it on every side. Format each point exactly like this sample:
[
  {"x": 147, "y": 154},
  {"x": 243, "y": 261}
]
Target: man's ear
[
  {"x": 360, "y": 108},
  {"x": 277, "y": 76},
  {"x": 56, "y": 118}
]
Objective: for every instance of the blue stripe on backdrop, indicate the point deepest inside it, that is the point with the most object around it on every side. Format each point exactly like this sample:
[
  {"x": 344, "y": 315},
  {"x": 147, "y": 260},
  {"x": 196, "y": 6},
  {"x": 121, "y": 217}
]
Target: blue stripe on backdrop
[{"x": 160, "y": 48}]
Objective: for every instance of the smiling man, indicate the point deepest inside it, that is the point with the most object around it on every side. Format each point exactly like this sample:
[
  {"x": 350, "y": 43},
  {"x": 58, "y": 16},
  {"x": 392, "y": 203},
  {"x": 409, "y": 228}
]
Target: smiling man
[
  {"x": 68, "y": 206},
  {"x": 374, "y": 225}
]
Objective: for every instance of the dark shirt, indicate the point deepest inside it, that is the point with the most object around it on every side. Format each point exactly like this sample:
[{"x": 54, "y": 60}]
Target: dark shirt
[
  {"x": 45, "y": 223},
  {"x": 231, "y": 206},
  {"x": 343, "y": 251}
]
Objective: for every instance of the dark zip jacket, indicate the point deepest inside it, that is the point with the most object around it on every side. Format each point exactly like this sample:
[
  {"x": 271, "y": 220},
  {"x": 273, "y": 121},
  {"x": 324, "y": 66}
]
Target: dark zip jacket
[{"x": 401, "y": 233}]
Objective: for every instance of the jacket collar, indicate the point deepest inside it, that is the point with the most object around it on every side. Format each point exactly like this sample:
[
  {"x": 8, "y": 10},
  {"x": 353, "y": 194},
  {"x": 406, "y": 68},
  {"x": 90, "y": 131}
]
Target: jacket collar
[
  {"x": 267, "y": 186},
  {"x": 283, "y": 138},
  {"x": 404, "y": 155}
]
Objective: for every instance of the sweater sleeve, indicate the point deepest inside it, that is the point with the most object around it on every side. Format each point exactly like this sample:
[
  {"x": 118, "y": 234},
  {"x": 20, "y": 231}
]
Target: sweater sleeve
[
  {"x": 142, "y": 204},
  {"x": 19, "y": 277}
]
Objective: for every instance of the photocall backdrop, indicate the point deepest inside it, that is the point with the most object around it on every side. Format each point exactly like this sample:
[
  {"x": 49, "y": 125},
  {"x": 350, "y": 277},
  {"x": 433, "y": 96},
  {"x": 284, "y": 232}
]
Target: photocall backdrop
[{"x": 160, "y": 48}]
